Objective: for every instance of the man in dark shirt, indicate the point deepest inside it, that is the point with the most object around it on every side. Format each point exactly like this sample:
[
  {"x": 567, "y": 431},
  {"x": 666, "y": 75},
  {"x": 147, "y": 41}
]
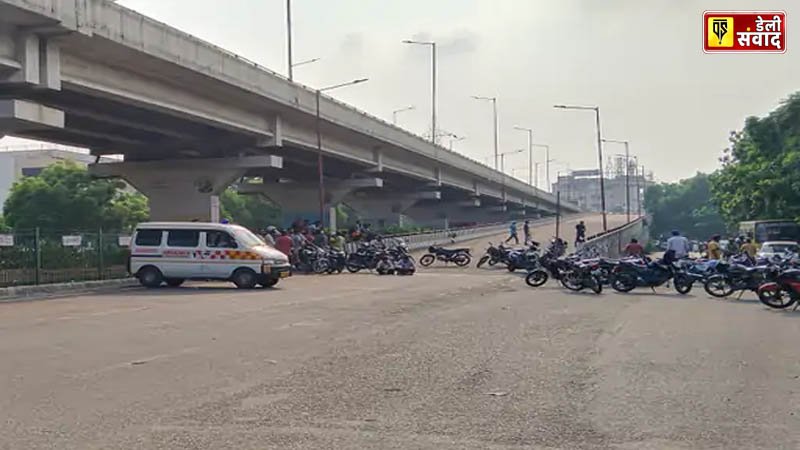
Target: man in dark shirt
[{"x": 580, "y": 232}]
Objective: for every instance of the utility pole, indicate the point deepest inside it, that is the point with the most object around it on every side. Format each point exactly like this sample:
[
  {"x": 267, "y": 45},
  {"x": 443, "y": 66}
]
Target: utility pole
[{"x": 290, "y": 65}]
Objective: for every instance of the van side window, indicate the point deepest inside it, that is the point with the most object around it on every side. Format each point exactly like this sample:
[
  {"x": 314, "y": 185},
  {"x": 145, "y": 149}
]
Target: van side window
[
  {"x": 148, "y": 238},
  {"x": 183, "y": 238},
  {"x": 219, "y": 239}
]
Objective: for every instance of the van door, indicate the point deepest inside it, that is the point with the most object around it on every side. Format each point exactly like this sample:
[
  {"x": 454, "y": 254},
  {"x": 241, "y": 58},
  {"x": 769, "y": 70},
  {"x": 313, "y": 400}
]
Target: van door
[
  {"x": 216, "y": 261},
  {"x": 179, "y": 254}
]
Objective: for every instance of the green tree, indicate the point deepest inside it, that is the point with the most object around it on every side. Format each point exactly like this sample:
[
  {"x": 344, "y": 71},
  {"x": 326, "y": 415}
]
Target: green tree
[
  {"x": 251, "y": 211},
  {"x": 685, "y": 206},
  {"x": 3, "y": 226},
  {"x": 65, "y": 197},
  {"x": 759, "y": 174}
]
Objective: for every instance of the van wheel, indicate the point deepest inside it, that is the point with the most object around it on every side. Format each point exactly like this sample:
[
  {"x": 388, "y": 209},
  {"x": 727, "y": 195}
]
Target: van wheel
[
  {"x": 269, "y": 283},
  {"x": 150, "y": 277},
  {"x": 174, "y": 282},
  {"x": 244, "y": 278}
]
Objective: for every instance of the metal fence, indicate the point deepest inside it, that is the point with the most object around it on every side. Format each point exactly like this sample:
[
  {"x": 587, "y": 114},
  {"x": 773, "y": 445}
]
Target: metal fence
[{"x": 53, "y": 256}]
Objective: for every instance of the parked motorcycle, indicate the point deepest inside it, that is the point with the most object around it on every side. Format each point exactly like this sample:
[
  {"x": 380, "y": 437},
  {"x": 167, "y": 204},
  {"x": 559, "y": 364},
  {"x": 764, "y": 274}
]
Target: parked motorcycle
[
  {"x": 627, "y": 276},
  {"x": 550, "y": 266},
  {"x": 525, "y": 258},
  {"x": 311, "y": 259},
  {"x": 337, "y": 261},
  {"x": 783, "y": 292},
  {"x": 494, "y": 255},
  {"x": 364, "y": 258},
  {"x": 582, "y": 276},
  {"x": 459, "y": 256},
  {"x": 731, "y": 278}
]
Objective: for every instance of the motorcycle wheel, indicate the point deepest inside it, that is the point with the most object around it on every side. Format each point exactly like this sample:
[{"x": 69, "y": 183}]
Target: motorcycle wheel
[
  {"x": 427, "y": 260},
  {"x": 718, "y": 286},
  {"x": 777, "y": 298},
  {"x": 320, "y": 266},
  {"x": 352, "y": 267},
  {"x": 536, "y": 278},
  {"x": 682, "y": 284},
  {"x": 595, "y": 284},
  {"x": 492, "y": 262},
  {"x": 482, "y": 261},
  {"x": 623, "y": 283},
  {"x": 511, "y": 267},
  {"x": 572, "y": 281},
  {"x": 462, "y": 260}
]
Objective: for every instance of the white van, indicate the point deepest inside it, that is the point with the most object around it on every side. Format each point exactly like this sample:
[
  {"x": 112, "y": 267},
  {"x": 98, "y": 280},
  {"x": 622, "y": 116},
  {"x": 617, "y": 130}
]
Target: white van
[{"x": 172, "y": 252}]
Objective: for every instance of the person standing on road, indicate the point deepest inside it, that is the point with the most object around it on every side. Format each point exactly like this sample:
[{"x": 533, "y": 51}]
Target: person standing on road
[
  {"x": 634, "y": 248},
  {"x": 713, "y": 248},
  {"x": 677, "y": 247},
  {"x": 750, "y": 249},
  {"x": 337, "y": 241},
  {"x": 512, "y": 233},
  {"x": 269, "y": 235},
  {"x": 284, "y": 243},
  {"x": 526, "y": 231},
  {"x": 580, "y": 233}
]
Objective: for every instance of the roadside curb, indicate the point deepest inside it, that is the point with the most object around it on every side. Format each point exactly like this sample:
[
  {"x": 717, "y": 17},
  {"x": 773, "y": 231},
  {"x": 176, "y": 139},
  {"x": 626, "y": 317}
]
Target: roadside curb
[{"x": 30, "y": 293}]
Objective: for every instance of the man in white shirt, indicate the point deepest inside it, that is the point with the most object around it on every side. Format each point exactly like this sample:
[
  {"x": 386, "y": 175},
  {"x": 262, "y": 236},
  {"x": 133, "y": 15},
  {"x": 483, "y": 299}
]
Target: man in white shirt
[{"x": 678, "y": 244}]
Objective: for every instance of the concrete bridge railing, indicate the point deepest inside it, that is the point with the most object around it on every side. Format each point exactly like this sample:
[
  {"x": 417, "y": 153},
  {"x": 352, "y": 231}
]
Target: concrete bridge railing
[{"x": 612, "y": 242}]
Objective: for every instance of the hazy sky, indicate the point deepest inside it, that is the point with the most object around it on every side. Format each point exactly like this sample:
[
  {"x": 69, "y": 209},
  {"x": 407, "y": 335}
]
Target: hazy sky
[{"x": 641, "y": 61}]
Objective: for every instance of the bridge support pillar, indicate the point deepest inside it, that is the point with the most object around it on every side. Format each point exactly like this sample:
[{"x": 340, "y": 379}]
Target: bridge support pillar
[{"x": 184, "y": 190}]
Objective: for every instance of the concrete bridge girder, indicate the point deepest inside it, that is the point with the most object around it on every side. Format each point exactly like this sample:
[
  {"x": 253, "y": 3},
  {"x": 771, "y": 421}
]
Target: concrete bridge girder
[
  {"x": 184, "y": 190},
  {"x": 300, "y": 199},
  {"x": 385, "y": 208}
]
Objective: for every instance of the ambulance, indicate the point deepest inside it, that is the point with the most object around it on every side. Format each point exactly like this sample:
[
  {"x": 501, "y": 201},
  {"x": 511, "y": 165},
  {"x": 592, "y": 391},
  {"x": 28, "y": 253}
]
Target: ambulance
[{"x": 173, "y": 252}]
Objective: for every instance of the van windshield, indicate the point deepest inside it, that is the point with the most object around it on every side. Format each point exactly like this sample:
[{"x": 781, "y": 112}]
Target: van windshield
[{"x": 246, "y": 237}]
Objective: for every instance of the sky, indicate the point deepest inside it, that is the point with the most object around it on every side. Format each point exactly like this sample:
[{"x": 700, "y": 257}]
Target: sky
[{"x": 641, "y": 62}]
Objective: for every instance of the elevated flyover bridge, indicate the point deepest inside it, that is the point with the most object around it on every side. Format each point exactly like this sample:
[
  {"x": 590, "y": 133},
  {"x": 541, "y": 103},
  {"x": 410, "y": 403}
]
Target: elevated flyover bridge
[{"x": 191, "y": 118}]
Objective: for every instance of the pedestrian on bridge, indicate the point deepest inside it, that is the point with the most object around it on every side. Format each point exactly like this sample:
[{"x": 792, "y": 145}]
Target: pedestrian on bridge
[
  {"x": 526, "y": 231},
  {"x": 512, "y": 233},
  {"x": 580, "y": 233}
]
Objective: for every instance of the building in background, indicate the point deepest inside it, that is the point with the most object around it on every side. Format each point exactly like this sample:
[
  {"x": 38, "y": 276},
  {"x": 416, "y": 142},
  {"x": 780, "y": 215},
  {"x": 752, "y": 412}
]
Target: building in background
[
  {"x": 15, "y": 164},
  {"x": 583, "y": 188}
]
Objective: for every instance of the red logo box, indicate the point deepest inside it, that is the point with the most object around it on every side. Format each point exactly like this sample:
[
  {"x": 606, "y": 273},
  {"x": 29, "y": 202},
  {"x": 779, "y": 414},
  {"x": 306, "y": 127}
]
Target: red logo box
[{"x": 744, "y": 31}]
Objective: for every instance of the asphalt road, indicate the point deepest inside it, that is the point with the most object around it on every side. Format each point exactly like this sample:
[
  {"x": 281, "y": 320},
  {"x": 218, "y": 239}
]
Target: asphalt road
[{"x": 446, "y": 359}]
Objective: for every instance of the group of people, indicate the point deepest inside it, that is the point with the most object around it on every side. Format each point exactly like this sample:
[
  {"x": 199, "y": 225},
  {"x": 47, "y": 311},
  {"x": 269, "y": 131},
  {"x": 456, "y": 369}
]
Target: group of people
[
  {"x": 290, "y": 241},
  {"x": 512, "y": 232},
  {"x": 742, "y": 244},
  {"x": 580, "y": 233},
  {"x": 678, "y": 247}
]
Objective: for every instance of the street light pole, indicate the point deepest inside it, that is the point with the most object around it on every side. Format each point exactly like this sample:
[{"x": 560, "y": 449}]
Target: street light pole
[
  {"x": 289, "y": 39},
  {"x": 454, "y": 139},
  {"x": 496, "y": 133},
  {"x": 530, "y": 152},
  {"x": 638, "y": 188},
  {"x": 627, "y": 175},
  {"x": 303, "y": 63},
  {"x": 596, "y": 110},
  {"x": 320, "y": 159},
  {"x": 644, "y": 180},
  {"x": 547, "y": 162},
  {"x": 398, "y": 111},
  {"x": 433, "y": 83},
  {"x": 502, "y": 158}
]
